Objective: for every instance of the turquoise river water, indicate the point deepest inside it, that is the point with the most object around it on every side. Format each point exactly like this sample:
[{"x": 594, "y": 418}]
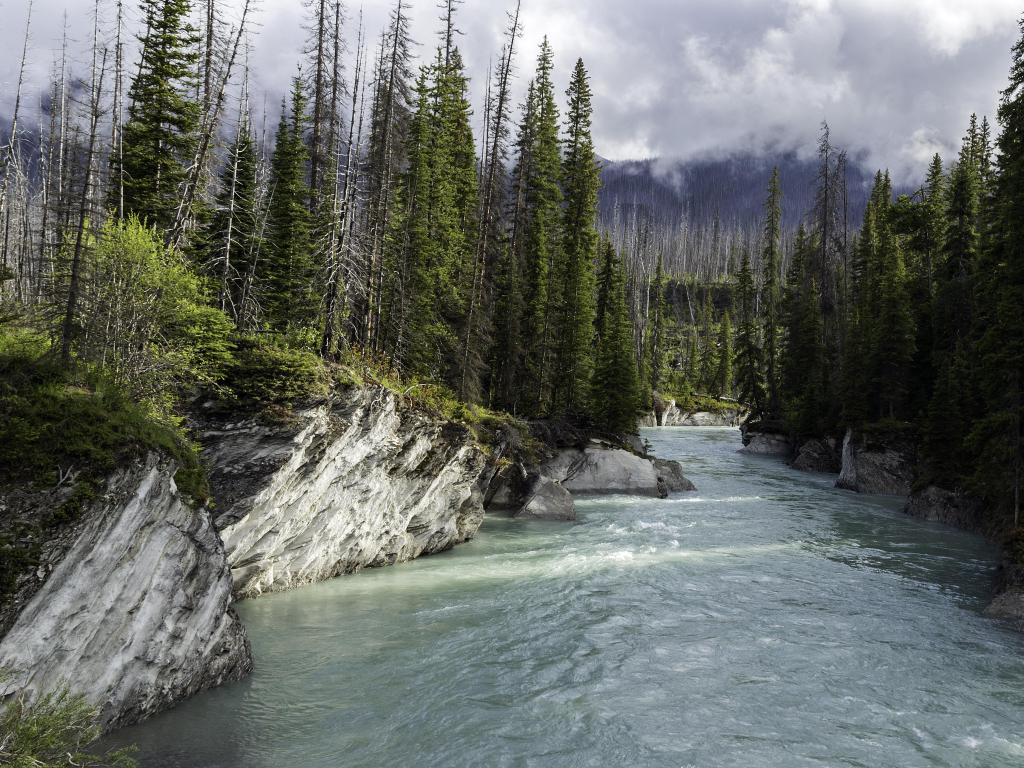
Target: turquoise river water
[{"x": 764, "y": 620}]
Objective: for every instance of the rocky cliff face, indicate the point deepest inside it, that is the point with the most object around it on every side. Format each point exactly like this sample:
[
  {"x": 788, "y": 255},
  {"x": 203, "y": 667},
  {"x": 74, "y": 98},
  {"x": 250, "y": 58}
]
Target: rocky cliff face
[
  {"x": 353, "y": 483},
  {"x": 135, "y": 613},
  {"x": 943, "y": 506},
  {"x": 877, "y": 464},
  {"x": 1009, "y": 600}
]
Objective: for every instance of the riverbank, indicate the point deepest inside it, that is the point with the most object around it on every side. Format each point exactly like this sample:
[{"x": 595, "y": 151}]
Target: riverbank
[
  {"x": 764, "y": 620},
  {"x": 362, "y": 478}
]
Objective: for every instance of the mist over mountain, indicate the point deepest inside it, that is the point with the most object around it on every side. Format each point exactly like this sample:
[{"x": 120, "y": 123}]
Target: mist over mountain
[{"x": 667, "y": 193}]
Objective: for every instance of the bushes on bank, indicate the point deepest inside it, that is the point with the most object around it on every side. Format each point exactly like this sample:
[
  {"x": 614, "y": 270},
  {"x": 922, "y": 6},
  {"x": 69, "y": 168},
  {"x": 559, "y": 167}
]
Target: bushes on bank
[{"x": 55, "y": 731}]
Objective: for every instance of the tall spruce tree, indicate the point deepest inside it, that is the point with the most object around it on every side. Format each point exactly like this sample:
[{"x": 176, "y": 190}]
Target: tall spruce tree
[
  {"x": 997, "y": 439},
  {"x": 656, "y": 329},
  {"x": 543, "y": 238},
  {"x": 574, "y": 272},
  {"x": 771, "y": 260},
  {"x": 163, "y": 116},
  {"x": 287, "y": 292},
  {"x": 234, "y": 238},
  {"x": 723, "y": 374},
  {"x": 749, "y": 363},
  {"x": 614, "y": 387}
]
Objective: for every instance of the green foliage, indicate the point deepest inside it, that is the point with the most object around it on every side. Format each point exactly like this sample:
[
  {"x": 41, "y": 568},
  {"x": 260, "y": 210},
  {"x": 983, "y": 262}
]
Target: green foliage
[
  {"x": 749, "y": 357},
  {"x": 723, "y": 373},
  {"x": 542, "y": 236},
  {"x": 51, "y": 426},
  {"x": 771, "y": 296},
  {"x": 234, "y": 236},
  {"x": 160, "y": 135},
  {"x": 54, "y": 731},
  {"x": 266, "y": 372},
  {"x": 574, "y": 269},
  {"x": 144, "y": 321},
  {"x": 287, "y": 275},
  {"x": 614, "y": 388}
]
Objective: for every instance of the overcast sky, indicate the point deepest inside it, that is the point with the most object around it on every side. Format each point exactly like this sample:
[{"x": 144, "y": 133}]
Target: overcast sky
[{"x": 896, "y": 79}]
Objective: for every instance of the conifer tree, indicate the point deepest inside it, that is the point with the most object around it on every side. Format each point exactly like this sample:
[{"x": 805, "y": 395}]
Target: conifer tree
[
  {"x": 708, "y": 352},
  {"x": 656, "y": 328},
  {"x": 749, "y": 377},
  {"x": 574, "y": 273},
  {"x": 771, "y": 259},
  {"x": 997, "y": 439},
  {"x": 723, "y": 374},
  {"x": 543, "y": 238},
  {"x": 803, "y": 353},
  {"x": 160, "y": 135},
  {"x": 508, "y": 364},
  {"x": 614, "y": 387},
  {"x": 234, "y": 236},
  {"x": 287, "y": 293}
]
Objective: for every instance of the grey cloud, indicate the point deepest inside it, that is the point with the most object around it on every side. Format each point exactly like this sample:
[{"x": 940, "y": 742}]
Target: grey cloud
[{"x": 684, "y": 78}]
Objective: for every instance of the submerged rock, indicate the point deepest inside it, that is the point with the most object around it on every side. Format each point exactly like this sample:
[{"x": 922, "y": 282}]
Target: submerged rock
[
  {"x": 819, "y": 455},
  {"x": 547, "y": 500},
  {"x": 135, "y": 615},
  {"x": 877, "y": 462},
  {"x": 355, "y": 482}
]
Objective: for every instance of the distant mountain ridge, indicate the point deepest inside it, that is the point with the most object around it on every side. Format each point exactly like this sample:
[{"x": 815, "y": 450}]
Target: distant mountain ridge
[{"x": 731, "y": 189}]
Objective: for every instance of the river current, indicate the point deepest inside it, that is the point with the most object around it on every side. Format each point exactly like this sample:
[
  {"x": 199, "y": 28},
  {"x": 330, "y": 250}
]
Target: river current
[{"x": 765, "y": 620}]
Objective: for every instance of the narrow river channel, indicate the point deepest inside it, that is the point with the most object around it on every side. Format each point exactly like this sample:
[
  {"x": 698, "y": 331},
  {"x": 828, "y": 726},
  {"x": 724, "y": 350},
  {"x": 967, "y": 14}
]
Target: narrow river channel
[{"x": 765, "y": 620}]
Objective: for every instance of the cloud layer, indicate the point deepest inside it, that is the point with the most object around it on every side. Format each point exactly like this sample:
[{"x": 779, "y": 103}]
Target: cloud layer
[{"x": 685, "y": 78}]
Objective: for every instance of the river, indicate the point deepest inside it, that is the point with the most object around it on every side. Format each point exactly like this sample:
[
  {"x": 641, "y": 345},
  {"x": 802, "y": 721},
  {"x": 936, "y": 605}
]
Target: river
[{"x": 764, "y": 620}]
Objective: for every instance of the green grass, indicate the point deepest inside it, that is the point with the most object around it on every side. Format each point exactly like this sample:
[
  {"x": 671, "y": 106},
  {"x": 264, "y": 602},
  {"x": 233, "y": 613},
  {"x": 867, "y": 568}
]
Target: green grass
[{"x": 58, "y": 432}]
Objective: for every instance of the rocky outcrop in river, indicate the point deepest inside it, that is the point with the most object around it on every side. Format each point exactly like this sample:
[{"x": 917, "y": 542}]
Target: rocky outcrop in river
[
  {"x": 601, "y": 468},
  {"x": 132, "y": 605},
  {"x": 944, "y": 506},
  {"x": 765, "y": 440},
  {"x": 819, "y": 455},
  {"x": 877, "y": 463},
  {"x": 668, "y": 414},
  {"x": 353, "y": 483}
]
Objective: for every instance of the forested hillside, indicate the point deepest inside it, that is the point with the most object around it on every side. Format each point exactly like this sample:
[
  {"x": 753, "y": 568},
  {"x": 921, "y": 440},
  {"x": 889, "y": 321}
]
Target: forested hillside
[
  {"x": 909, "y": 325},
  {"x": 156, "y": 240}
]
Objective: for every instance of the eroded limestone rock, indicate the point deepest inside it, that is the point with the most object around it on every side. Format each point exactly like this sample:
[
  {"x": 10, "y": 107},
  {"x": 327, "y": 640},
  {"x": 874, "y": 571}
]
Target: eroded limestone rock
[{"x": 135, "y": 615}]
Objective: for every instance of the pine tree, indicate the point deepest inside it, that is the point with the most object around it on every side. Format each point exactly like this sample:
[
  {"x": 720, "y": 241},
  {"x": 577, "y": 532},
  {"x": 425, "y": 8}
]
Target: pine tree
[
  {"x": 723, "y": 374},
  {"x": 574, "y": 273},
  {"x": 543, "y": 238},
  {"x": 771, "y": 259},
  {"x": 803, "y": 353},
  {"x": 656, "y": 329},
  {"x": 893, "y": 329},
  {"x": 160, "y": 135},
  {"x": 997, "y": 440},
  {"x": 749, "y": 365},
  {"x": 288, "y": 273},
  {"x": 234, "y": 236},
  {"x": 708, "y": 353},
  {"x": 614, "y": 387}
]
